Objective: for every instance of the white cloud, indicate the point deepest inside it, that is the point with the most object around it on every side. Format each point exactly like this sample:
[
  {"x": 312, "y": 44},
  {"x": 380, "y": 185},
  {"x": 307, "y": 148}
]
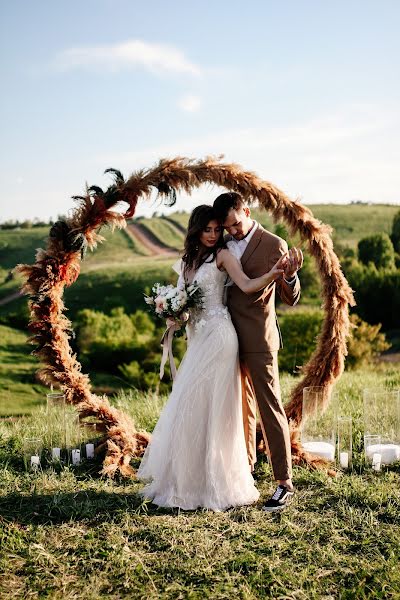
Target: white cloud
[
  {"x": 336, "y": 158},
  {"x": 190, "y": 103},
  {"x": 158, "y": 58}
]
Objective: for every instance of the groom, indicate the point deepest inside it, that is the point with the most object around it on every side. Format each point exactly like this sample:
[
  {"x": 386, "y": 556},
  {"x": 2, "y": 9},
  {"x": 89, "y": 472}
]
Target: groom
[{"x": 259, "y": 337}]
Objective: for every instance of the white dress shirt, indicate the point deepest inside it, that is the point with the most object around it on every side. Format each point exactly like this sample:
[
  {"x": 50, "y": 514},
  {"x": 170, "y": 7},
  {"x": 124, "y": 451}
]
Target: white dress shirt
[{"x": 237, "y": 247}]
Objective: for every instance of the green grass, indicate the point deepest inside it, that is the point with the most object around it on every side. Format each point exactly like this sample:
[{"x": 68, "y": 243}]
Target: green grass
[
  {"x": 116, "y": 285},
  {"x": 350, "y": 222},
  {"x": 73, "y": 535},
  {"x": 19, "y": 391},
  {"x": 118, "y": 247},
  {"x": 19, "y": 245},
  {"x": 180, "y": 217},
  {"x": 164, "y": 231},
  {"x": 355, "y": 221}
]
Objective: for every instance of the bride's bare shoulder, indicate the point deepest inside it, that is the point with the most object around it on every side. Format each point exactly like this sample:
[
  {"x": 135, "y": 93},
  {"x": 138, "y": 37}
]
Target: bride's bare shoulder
[{"x": 222, "y": 255}]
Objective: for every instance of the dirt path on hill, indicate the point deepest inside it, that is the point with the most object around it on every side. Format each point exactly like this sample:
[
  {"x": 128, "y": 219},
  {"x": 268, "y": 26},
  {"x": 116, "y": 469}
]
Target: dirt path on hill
[
  {"x": 149, "y": 240},
  {"x": 178, "y": 226},
  {"x": 10, "y": 298}
]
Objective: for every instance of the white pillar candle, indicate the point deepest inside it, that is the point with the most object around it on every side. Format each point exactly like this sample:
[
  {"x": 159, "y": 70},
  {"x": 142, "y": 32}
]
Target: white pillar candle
[
  {"x": 35, "y": 461},
  {"x": 322, "y": 449},
  {"x": 76, "y": 456},
  {"x": 344, "y": 460},
  {"x": 390, "y": 453},
  {"x": 56, "y": 453},
  {"x": 376, "y": 461},
  {"x": 89, "y": 450}
]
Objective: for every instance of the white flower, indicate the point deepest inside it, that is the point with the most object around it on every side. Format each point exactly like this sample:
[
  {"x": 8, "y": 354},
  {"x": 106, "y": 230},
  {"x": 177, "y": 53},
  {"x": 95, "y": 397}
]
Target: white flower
[{"x": 169, "y": 295}]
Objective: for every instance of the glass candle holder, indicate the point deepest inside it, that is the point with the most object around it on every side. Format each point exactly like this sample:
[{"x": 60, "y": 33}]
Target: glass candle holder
[
  {"x": 73, "y": 436},
  {"x": 318, "y": 423},
  {"x": 373, "y": 455},
  {"x": 32, "y": 448},
  {"x": 382, "y": 420},
  {"x": 56, "y": 441},
  {"x": 344, "y": 442},
  {"x": 90, "y": 432}
]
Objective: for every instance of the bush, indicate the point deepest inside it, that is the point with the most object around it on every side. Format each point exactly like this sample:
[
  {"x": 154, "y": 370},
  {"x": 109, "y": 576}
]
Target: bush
[
  {"x": 127, "y": 345},
  {"x": 300, "y": 329},
  {"x": 365, "y": 343},
  {"x": 105, "y": 341},
  {"x": 378, "y": 250},
  {"x": 395, "y": 235},
  {"x": 377, "y": 293}
]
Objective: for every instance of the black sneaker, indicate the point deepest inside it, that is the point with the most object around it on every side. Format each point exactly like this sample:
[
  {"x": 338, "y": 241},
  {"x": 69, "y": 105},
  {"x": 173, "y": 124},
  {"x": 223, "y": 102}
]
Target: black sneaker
[{"x": 279, "y": 500}]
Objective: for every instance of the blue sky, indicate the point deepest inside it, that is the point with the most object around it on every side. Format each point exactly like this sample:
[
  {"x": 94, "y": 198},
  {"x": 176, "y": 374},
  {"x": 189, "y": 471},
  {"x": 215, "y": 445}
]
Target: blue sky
[{"x": 304, "y": 92}]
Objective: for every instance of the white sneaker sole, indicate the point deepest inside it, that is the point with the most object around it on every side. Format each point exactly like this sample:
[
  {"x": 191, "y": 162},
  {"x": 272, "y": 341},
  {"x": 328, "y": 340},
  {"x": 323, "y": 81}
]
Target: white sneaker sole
[{"x": 280, "y": 507}]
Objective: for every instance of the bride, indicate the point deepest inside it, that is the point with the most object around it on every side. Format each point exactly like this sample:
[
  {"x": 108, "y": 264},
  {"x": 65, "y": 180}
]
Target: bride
[{"x": 197, "y": 456}]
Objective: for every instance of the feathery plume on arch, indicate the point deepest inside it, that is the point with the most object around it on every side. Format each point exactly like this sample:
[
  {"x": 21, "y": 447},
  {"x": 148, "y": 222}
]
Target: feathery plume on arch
[{"x": 58, "y": 266}]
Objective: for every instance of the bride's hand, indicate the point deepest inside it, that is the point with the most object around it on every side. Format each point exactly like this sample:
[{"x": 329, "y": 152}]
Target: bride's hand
[
  {"x": 279, "y": 268},
  {"x": 172, "y": 323}
]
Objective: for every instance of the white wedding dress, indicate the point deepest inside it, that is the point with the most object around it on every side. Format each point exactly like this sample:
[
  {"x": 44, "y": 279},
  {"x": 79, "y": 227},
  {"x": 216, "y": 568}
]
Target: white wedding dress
[{"x": 197, "y": 456}]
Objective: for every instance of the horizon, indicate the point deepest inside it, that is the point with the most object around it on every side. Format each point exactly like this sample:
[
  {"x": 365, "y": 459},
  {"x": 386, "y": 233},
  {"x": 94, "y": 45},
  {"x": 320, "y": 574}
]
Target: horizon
[{"x": 171, "y": 210}]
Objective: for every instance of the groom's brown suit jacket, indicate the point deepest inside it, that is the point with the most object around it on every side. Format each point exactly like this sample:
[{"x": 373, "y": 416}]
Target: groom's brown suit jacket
[
  {"x": 255, "y": 321},
  {"x": 254, "y": 315}
]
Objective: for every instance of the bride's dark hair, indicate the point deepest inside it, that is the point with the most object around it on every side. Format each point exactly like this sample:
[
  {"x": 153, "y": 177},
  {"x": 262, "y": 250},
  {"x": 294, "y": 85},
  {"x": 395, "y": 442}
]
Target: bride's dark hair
[{"x": 193, "y": 255}]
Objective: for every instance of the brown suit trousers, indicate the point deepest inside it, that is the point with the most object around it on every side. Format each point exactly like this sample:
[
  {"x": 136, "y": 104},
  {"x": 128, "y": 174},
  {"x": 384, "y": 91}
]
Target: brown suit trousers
[{"x": 259, "y": 337}]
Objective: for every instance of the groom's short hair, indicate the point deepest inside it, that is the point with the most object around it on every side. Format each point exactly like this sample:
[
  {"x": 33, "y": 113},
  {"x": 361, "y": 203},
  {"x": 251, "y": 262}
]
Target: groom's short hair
[{"x": 226, "y": 202}]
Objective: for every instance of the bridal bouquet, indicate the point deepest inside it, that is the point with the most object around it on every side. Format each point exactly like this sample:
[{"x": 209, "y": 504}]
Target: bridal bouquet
[{"x": 169, "y": 302}]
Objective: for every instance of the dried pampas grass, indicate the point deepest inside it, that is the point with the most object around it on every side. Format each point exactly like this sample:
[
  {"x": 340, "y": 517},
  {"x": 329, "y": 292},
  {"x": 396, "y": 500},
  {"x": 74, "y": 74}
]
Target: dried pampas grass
[{"x": 58, "y": 266}]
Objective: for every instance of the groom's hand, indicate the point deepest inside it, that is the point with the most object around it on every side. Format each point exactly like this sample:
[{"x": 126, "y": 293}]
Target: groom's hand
[{"x": 294, "y": 262}]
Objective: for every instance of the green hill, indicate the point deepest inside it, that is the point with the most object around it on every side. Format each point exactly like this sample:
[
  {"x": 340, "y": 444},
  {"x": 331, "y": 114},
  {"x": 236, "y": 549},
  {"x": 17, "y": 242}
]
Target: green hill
[
  {"x": 116, "y": 273},
  {"x": 350, "y": 222},
  {"x": 19, "y": 391},
  {"x": 165, "y": 231}
]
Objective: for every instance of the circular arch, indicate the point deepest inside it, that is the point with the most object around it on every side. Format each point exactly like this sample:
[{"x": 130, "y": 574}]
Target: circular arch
[{"x": 58, "y": 266}]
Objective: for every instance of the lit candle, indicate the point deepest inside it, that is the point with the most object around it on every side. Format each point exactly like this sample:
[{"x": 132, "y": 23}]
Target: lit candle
[
  {"x": 344, "y": 460},
  {"x": 376, "y": 461},
  {"x": 76, "y": 456},
  {"x": 56, "y": 453},
  {"x": 35, "y": 461},
  {"x": 89, "y": 450},
  {"x": 322, "y": 449}
]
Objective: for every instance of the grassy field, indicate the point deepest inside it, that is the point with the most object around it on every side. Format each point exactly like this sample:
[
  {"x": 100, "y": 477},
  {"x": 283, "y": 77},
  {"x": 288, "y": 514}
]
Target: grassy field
[
  {"x": 164, "y": 231},
  {"x": 19, "y": 391},
  {"x": 350, "y": 223},
  {"x": 19, "y": 246},
  {"x": 70, "y": 534},
  {"x": 115, "y": 274},
  {"x": 106, "y": 288}
]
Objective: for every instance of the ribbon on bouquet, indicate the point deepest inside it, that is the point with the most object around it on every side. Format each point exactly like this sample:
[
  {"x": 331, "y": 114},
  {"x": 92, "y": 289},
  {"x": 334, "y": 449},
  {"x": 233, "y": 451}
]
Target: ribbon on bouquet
[{"x": 166, "y": 342}]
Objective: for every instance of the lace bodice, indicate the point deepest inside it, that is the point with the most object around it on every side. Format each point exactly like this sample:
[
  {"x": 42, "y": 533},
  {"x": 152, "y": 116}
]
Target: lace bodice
[{"x": 212, "y": 281}]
